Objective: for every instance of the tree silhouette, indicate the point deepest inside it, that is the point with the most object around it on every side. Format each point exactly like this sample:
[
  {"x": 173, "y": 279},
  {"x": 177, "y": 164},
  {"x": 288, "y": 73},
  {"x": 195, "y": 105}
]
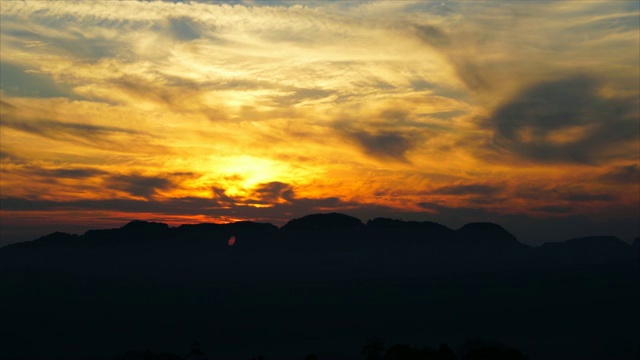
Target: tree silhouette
[
  {"x": 373, "y": 348},
  {"x": 167, "y": 356},
  {"x": 148, "y": 355},
  {"x": 428, "y": 353},
  {"x": 513, "y": 354},
  {"x": 402, "y": 352},
  {"x": 487, "y": 352},
  {"x": 479, "y": 349},
  {"x": 445, "y": 352},
  {"x": 196, "y": 353}
]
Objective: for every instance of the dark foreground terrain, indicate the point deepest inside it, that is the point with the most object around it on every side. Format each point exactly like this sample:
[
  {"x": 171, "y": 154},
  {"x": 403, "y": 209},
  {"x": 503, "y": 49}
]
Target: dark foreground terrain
[{"x": 320, "y": 285}]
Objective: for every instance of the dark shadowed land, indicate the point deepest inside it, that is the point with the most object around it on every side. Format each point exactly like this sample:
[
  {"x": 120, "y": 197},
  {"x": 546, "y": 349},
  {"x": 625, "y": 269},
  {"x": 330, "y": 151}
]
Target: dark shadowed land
[{"x": 319, "y": 285}]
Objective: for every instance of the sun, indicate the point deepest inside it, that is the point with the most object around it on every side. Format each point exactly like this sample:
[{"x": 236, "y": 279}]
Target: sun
[{"x": 248, "y": 171}]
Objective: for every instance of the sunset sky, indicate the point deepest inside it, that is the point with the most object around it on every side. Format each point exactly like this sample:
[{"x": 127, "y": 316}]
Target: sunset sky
[{"x": 524, "y": 113}]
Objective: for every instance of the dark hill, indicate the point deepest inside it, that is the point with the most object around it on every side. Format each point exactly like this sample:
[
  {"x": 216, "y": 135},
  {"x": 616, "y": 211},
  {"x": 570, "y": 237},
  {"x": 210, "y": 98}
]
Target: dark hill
[
  {"x": 280, "y": 292},
  {"x": 490, "y": 246},
  {"x": 427, "y": 229},
  {"x": 145, "y": 227},
  {"x": 327, "y": 245},
  {"x": 487, "y": 233},
  {"x": 322, "y": 222},
  {"x": 250, "y": 226},
  {"x": 592, "y": 250},
  {"x": 421, "y": 247},
  {"x": 56, "y": 239}
]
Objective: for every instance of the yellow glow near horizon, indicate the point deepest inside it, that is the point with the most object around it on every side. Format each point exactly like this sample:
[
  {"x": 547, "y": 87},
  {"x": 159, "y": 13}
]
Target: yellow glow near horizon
[
  {"x": 251, "y": 171},
  {"x": 211, "y": 111}
]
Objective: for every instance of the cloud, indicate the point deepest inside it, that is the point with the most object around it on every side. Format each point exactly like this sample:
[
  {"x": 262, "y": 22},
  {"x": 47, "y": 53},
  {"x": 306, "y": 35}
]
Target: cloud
[
  {"x": 274, "y": 191},
  {"x": 255, "y": 91},
  {"x": 183, "y": 28},
  {"x": 468, "y": 70},
  {"x": 384, "y": 144},
  {"x": 470, "y": 73},
  {"x": 572, "y": 192},
  {"x": 277, "y": 200},
  {"x": 77, "y": 173},
  {"x": 5, "y": 106},
  {"x": 7, "y": 156},
  {"x": 221, "y": 205},
  {"x": 623, "y": 174},
  {"x": 138, "y": 185},
  {"x": 469, "y": 189},
  {"x": 555, "y": 209},
  {"x": 281, "y": 199},
  {"x": 53, "y": 128},
  {"x": 177, "y": 206},
  {"x": 22, "y": 81},
  {"x": 566, "y": 120},
  {"x": 432, "y": 35},
  {"x": 586, "y": 197},
  {"x": 385, "y": 135},
  {"x": 86, "y": 133},
  {"x": 532, "y": 230},
  {"x": 220, "y": 195},
  {"x": 300, "y": 95},
  {"x": 138, "y": 88}
]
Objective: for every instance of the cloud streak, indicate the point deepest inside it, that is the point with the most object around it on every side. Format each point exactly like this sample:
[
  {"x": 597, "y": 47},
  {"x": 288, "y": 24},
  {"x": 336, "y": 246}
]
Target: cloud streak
[{"x": 276, "y": 109}]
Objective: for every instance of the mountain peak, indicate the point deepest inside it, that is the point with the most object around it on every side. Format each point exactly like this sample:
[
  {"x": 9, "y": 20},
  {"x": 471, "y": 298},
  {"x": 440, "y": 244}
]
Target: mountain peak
[
  {"x": 386, "y": 223},
  {"x": 485, "y": 232},
  {"x": 327, "y": 221},
  {"x": 140, "y": 225},
  {"x": 589, "y": 242}
]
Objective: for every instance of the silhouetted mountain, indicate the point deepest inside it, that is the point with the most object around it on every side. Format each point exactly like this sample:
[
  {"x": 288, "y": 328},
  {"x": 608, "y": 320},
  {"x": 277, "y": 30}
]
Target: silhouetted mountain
[
  {"x": 56, "y": 239},
  {"x": 287, "y": 289},
  {"x": 249, "y": 235},
  {"x": 213, "y": 235},
  {"x": 485, "y": 233},
  {"x": 426, "y": 231},
  {"x": 323, "y": 222},
  {"x": 490, "y": 245},
  {"x": 145, "y": 229},
  {"x": 325, "y": 244},
  {"x": 589, "y": 250},
  {"x": 135, "y": 231}
]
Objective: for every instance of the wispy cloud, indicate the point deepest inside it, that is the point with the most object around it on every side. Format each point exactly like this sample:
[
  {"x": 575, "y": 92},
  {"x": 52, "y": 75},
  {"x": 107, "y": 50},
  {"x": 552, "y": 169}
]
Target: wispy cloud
[{"x": 323, "y": 105}]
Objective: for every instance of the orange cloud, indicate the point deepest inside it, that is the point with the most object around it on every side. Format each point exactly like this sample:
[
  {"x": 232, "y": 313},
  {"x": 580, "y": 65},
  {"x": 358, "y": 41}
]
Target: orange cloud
[{"x": 267, "y": 112}]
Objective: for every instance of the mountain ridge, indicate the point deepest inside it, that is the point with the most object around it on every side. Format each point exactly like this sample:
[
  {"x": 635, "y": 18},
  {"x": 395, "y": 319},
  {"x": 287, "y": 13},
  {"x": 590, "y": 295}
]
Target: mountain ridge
[
  {"x": 166, "y": 285},
  {"x": 326, "y": 244},
  {"x": 469, "y": 233}
]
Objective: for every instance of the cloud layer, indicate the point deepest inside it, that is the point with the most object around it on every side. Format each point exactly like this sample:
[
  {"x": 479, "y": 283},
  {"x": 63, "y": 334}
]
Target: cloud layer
[{"x": 205, "y": 111}]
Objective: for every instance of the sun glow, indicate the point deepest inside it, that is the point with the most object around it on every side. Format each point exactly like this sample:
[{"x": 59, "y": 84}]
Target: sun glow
[
  {"x": 244, "y": 172},
  {"x": 270, "y": 112}
]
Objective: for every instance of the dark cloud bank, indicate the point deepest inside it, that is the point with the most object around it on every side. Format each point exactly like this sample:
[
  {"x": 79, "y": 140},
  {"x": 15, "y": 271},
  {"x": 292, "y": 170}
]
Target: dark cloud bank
[
  {"x": 602, "y": 127},
  {"x": 283, "y": 204}
]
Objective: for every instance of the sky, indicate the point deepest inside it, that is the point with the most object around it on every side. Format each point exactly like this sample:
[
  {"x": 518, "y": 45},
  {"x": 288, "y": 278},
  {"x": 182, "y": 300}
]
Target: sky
[{"x": 523, "y": 113}]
